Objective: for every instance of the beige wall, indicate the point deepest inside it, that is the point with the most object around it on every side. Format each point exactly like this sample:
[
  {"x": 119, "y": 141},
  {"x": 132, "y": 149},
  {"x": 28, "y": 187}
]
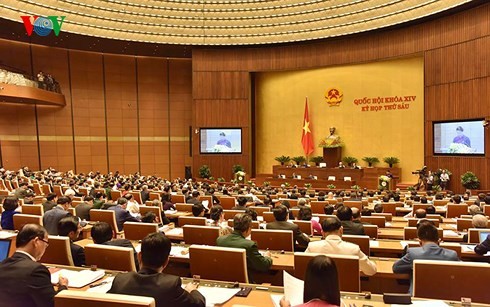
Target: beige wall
[{"x": 398, "y": 132}]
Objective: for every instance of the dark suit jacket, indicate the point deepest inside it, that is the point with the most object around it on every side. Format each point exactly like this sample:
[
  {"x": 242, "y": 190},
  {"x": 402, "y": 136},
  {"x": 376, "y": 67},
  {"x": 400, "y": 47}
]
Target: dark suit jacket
[
  {"x": 165, "y": 289},
  {"x": 145, "y": 195},
  {"x": 83, "y": 211},
  {"x": 51, "y": 219},
  {"x": 255, "y": 261},
  {"x": 125, "y": 243},
  {"x": 300, "y": 238},
  {"x": 430, "y": 251},
  {"x": 48, "y": 205},
  {"x": 122, "y": 216},
  {"x": 351, "y": 228},
  {"x": 484, "y": 247},
  {"x": 24, "y": 282},
  {"x": 78, "y": 254}
]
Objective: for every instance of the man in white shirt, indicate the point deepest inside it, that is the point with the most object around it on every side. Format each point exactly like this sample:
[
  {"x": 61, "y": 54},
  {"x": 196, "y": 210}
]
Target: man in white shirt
[{"x": 332, "y": 244}]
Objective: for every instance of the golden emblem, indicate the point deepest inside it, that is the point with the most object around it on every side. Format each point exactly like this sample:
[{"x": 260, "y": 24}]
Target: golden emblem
[{"x": 334, "y": 96}]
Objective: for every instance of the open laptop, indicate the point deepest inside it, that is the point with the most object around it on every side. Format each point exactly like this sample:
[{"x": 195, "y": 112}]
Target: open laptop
[
  {"x": 4, "y": 248},
  {"x": 484, "y": 235}
]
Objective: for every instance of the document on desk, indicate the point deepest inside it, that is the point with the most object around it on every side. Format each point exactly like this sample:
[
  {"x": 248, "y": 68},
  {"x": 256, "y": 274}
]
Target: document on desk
[
  {"x": 450, "y": 233},
  {"x": 77, "y": 279},
  {"x": 293, "y": 290},
  {"x": 467, "y": 248},
  {"x": 7, "y": 234},
  {"x": 179, "y": 251},
  {"x": 373, "y": 243},
  {"x": 217, "y": 295},
  {"x": 175, "y": 232},
  {"x": 405, "y": 243}
]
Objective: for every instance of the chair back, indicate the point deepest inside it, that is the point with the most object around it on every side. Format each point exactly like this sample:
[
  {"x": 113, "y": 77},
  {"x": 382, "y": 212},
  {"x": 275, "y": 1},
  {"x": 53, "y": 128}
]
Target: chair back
[
  {"x": 362, "y": 241},
  {"x": 417, "y": 206},
  {"x": 273, "y": 239},
  {"x": 230, "y": 214},
  {"x": 390, "y": 207},
  {"x": 347, "y": 268},
  {"x": 57, "y": 190},
  {"x": 73, "y": 298},
  {"x": 255, "y": 224},
  {"x": 155, "y": 209},
  {"x": 33, "y": 209},
  {"x": 191, "y": 220},
  {"x": 379, "y": 221},
  {"x": 388, "y": 216},
  {"x": 463, "y": 224},
  {"x": 440, "y": 202},
  {"x": 203, "y": 235},
  {"x": 486, "y": 210},
  {"x": 227, "y": 202},
  {"x": 209, "y": 198},
  {"x": 452, "y": 280},
  {"x": 473, "y": 234},
  {"x": 108, "y": 216},
  {"x": 138, "y": 231},
  {"x": 412, "y": 222},
  {"x": 353, "y": 204},
  {"x": 304, "y": 226},
  {"x": 371, "y": 231},
  {"x": 46, "y": 189},
  {"x": 58, "y": 251},
  {"x": 37, "y": 188},
  {"x": 183, "y": 207},
  {"x": 21, "y": 219},
  {"x": 177, "y": 198},
  {"x": 317, "y": 206},
  {"x": 115, "y": 195},
  {"x": 154, "y": 195},
  {"x": 84, "y": 191},
  {"x": 456, "y": 210},
  {"x": 110, "y": 257},
  {"x": 434, "y": 216},
  {"x": 268, "y": 217},
  {"x": 217, "y": 258},
  {"x": 410, "y": 233},
  {"x": 260, "y": 210},
  {"x": 136, "y": 196}
]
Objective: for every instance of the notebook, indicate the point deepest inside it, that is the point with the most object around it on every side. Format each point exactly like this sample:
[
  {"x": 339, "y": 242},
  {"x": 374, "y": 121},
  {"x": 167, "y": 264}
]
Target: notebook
[
  {"x": 4, "y": 249},
  {"x": 77, "y": 279}
]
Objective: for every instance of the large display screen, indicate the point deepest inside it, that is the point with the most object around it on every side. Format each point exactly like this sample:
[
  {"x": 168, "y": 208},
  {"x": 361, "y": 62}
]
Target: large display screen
[
  {"x": 221, "y": 140},
  {"x": 459, "y": 137}
]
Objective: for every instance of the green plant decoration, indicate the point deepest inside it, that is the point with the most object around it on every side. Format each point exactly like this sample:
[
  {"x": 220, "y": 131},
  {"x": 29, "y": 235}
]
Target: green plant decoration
[
  {"x": 282, "y": 159},
  {"x": 391, "y": 161},
  {"x": 470, "y": 181},
  {"x": 370, "y": 160}
]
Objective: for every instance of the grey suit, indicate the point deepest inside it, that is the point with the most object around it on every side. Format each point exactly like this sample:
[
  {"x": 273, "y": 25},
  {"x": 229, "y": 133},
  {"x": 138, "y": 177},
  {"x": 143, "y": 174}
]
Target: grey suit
[
  {"x": 52, "y": 218},
  {"x": 430, "y": 251},
  {"x": 351, "y": 228}
]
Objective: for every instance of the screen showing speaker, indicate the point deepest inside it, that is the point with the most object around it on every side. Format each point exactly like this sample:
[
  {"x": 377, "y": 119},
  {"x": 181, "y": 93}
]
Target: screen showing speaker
[
  {"x": 465, "y": 137},
  {"x": 220, "y": 140}
]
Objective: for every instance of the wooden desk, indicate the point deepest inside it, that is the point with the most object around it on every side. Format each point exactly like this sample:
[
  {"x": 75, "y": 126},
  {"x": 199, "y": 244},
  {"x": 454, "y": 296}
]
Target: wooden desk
[
  {"x": 86, "y": 231},
  {"x": 397, "y": 234}
]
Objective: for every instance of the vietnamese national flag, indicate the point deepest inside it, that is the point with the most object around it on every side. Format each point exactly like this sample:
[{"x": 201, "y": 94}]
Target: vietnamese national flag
[{"x": 307, "y": 137}]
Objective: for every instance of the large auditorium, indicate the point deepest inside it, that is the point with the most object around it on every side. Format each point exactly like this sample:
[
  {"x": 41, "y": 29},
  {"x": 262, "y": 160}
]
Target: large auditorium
[{"x": 271, "y": 153}]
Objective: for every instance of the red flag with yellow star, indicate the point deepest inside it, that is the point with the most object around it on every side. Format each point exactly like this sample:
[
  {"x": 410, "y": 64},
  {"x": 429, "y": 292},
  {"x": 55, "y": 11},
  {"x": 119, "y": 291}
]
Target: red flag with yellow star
[{"x": 307, "y": 137}]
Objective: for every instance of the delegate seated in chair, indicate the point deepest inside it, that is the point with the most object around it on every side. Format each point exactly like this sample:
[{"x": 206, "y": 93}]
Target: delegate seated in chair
[
  {"x": 428, "y": 236},
  {"x": 166, "y": 289},
  {"x": 102, "y": 234},
  {"x": 70, "y": 227},
  {"x": 281, "y": 223}
]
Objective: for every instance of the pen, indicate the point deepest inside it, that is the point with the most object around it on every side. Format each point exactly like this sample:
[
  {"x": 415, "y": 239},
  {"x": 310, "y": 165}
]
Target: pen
[{"x": 99, "y": 284}]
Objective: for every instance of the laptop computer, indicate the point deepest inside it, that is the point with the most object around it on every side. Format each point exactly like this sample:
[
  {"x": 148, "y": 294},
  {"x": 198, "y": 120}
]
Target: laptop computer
[
  {"x": 4, "y": 248},
  {"x": 484, "y": 235}
]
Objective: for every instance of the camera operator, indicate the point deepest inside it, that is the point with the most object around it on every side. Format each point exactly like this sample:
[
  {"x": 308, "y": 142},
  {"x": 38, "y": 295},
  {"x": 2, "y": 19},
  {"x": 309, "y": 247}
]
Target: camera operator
[{"x": 422, "y": 178}]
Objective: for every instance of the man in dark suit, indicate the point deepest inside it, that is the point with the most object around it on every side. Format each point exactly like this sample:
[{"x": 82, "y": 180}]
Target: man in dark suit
[
  {"x": 194, "y": 199},
  {"x": 242, "y": 228},
  {"x": 53, "y": 216},
  {"x": 344, "y": 214},
  {"x": 281, "y": 223},
  {"x": 101, "y": 233},
  {"x": 50, "y": 202},
  {"x": 70, "y": 227},
  {"x": 483, "y": 247},
  {"x": 24, "y": 281},
  {"x": 122, "y": 215},
  {"x": 83, "y": 210},
  {"x": 429, "y": 250},
  {"x": 145, "y": 194},
  {"x": 150, "y": 281},
  {"x": 242, "y": 204}
]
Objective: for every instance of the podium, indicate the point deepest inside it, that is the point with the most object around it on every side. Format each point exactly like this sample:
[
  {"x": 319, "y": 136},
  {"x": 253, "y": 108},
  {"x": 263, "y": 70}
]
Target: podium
[{"x": 332, "y": 156}]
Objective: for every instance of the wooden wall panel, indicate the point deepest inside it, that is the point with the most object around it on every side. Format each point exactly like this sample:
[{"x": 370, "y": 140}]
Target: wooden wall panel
[
  {"x": 153, "y": 115},
  {"x": 180, "y": 112},
  {"x": 122, "y": 113},
  {"x": 88, "y": 99},
  {"x": 457, "y": 68}
]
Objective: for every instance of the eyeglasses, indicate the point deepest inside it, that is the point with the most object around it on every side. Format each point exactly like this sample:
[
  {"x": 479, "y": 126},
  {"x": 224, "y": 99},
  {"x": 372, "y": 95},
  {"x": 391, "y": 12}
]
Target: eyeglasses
[{"x": 47, "y": 243}]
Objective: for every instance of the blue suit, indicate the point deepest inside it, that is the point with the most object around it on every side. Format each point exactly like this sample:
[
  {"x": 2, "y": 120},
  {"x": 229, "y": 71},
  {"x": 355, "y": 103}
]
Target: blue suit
[{"x": 430, "y": 251}]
